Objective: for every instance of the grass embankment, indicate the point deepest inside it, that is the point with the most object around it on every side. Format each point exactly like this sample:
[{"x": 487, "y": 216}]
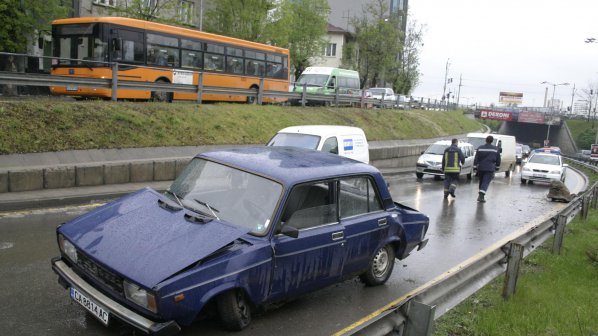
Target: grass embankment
[
  {"x": 556, "y": 294},
  {"x": 52, "y": 125}
]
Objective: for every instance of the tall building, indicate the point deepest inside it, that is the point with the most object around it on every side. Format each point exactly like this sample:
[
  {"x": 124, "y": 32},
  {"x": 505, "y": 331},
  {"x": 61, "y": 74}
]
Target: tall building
[{"x": 342, "y": 11}]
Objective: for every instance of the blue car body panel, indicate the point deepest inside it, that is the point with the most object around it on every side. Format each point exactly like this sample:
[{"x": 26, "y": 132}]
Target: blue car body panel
[
  {"x": 157, "y": 242},
  {"x": 159, "y": 248}
]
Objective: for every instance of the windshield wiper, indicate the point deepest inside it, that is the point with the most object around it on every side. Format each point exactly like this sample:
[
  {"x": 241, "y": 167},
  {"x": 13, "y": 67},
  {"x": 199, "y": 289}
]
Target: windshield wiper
[
  {"x": 175, "y": 197},
  {"x": 212, "y": 210}
]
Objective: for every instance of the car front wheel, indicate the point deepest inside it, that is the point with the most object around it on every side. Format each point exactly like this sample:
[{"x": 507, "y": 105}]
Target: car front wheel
[
  {"x": 234, "y": 310},
  {"x": 419, "y": 175},
  {"x": 380, "y": 267}
]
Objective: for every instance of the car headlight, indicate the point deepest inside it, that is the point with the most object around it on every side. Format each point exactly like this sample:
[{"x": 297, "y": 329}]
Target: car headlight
[
  {"x": 556, "y": 171},
  {"x": 67, "y": 248},
  {"x": 140, "y": 296},
  {"x": 420, "y": 160},
  {"x": 526, "y": 169}
]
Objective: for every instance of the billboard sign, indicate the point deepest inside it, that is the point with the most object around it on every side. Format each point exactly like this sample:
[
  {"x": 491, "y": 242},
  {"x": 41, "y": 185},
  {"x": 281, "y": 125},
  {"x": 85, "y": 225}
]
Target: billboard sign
[
  {"x": 510, "y": 97},
  {"x": 496, "y": 115},
  {"x": 531, "y": 117}
]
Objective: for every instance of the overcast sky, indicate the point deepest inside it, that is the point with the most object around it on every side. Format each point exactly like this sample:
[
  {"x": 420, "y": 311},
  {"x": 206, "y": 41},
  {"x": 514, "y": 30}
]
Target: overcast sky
[{"x": 507, "y": 45}]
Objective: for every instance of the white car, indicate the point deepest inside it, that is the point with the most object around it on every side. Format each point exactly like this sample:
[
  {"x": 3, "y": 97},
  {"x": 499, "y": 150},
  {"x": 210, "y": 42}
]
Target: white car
[
  {"x": 544, "y": 167},
  {"x": 385, "y": 96},
  {"x": 430, "y": 162}
]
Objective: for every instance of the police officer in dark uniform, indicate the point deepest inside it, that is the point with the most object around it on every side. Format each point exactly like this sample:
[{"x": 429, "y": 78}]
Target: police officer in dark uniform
[
  {"x": 452, "y": 160},
  {"x": 487, "y": 160}
]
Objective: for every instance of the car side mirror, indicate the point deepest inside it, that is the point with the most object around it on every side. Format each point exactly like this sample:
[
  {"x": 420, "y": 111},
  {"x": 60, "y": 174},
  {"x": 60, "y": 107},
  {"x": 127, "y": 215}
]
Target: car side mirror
[{"x": 290, "y": 231}]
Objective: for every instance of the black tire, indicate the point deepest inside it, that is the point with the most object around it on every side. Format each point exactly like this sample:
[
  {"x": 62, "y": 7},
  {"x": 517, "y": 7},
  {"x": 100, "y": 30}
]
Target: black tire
[
  {"x": 437, "y": 178},
  {"x": 419, "y": 175},
  {"x": 470, "y": 175},
  {"x": 380, "y": 267},
  {"x": 162, "y": 96},
  {"x": 234, "y": 310},
  {"x": 523, "y": 181},
  {"x": 508, "y": 172}
]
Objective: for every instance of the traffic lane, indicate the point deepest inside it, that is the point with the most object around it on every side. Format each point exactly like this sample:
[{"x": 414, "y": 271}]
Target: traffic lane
[
  {"x": 324, "y": 312},
  {"x": 33, "y": 303}
]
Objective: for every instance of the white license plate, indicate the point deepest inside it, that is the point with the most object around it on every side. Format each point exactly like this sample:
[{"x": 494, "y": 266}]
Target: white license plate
[
  {"x": 71, "y": 87},
  {"x": 539, "y": 175},
  {"x": 96, "y": 310}
]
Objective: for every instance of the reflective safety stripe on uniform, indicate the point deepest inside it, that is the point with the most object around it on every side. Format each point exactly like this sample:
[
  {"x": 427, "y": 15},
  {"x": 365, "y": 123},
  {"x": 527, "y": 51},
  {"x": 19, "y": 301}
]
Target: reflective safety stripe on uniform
[{"x": 451, "y": 162}]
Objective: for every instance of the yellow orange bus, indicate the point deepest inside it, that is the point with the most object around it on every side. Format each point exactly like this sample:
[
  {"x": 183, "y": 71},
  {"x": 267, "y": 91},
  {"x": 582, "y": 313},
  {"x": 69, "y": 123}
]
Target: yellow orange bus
[{"x": 153, "y": 52}]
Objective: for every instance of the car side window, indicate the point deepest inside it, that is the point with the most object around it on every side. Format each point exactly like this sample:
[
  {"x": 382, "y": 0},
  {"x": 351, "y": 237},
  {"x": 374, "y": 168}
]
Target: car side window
[
  {"x": 310, "y": 205},
  {"x": 330, "y": 145},
  {"x": 357, "y": 196}
]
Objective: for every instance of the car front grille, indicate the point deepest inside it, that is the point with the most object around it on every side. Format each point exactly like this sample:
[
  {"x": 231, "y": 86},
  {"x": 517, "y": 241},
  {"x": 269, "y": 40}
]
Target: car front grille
[
  {"x": 540, "y": 171},
  {"x": 99, "y": 273}
]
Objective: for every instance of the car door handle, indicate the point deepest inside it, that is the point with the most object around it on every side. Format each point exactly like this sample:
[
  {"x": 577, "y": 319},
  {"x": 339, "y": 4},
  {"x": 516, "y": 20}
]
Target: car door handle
[
  {"x": 338, "y": 235},
  {"x": 382, "y": 221}
]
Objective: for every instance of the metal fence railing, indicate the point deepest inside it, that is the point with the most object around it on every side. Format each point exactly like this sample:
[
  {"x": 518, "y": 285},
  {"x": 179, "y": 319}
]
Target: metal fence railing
[
  {"x": 414, "y": 313},
  {"x": 26, "y": 73}
]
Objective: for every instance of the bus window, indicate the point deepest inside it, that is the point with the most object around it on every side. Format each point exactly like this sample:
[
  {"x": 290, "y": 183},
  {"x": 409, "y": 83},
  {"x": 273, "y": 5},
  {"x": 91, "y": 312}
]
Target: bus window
[
  {"x": 255, "y": 68},
  {"x": 213, "y": 62},
  {"x": 189, "y": 44},
  {"x": 131, "y": 48},
  {"x": 191, "y": 59},
  {"x": 234, "y": 65}
]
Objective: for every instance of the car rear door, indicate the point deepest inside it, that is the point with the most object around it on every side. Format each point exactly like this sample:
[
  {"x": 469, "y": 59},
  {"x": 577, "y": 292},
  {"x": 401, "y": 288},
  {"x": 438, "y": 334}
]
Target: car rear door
[{"x": 365, "y": 222}]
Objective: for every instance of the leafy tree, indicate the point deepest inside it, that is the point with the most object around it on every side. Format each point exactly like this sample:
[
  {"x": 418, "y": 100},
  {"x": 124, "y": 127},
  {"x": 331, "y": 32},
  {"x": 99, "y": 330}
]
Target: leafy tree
[
  {"x": 23, "y": 20},
  {"x": 164, "y": 11},
  {"x": 378, "y": 43},
  {"x": 301, "y": 26},
  {"x": 405, "y": 74},
  {"x": 244, "y": 19}
]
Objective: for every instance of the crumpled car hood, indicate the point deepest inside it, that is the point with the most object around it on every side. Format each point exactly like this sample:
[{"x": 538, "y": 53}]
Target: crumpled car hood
[{"x": 144, "y": 242}]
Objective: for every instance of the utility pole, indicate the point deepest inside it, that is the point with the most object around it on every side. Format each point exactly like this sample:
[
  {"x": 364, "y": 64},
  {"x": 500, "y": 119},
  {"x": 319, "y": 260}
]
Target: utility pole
[
  {"x": 545, "y": 96},
  {"x": 200, "y": 15},
  {"x": 459, "y": 89},
  {"x": 572, "y": 96},
  {"x": 445, "y": 79}
]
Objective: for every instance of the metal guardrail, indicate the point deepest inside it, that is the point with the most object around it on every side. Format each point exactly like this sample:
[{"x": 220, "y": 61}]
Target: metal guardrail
[
  {"x": 414, "y": 313},
  {"x": 114, "y": 83}
]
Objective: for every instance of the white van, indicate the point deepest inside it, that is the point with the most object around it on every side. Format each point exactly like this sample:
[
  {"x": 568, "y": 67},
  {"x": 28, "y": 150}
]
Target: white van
[
  {"x": 342, "y": 140},
  {"x": 506, "y": 143},
  {"x": 430, "y": 162}
]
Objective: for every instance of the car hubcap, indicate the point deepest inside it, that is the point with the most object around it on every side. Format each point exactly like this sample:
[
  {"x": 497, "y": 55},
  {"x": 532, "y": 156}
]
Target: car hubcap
[{"x": 380, "y": 263}]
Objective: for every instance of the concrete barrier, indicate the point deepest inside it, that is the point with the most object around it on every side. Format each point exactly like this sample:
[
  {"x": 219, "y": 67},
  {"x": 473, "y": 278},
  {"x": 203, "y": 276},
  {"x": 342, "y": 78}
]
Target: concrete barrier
[
  {"x": 388, "y": 155},
  {"x": 60, "y": 177},
  {"x": 25, "y": 180}
]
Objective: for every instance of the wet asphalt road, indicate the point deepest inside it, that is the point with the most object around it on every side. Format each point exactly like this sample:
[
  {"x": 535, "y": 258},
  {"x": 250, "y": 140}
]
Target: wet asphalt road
[{"x": 34, "y": 304}]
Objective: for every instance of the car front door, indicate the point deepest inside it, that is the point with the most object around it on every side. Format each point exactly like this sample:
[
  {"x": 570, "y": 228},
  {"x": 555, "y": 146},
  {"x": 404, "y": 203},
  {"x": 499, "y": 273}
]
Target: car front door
[{"x": 315, "y": 258}]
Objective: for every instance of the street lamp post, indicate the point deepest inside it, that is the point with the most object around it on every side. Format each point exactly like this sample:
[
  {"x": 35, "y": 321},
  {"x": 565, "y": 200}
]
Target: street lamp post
[{"x": 554, "y": 85}]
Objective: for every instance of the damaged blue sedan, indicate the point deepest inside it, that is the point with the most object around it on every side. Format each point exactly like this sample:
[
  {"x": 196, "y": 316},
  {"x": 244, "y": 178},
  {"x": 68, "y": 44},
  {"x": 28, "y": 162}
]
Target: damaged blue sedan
[{"x": 237, "y": 230}]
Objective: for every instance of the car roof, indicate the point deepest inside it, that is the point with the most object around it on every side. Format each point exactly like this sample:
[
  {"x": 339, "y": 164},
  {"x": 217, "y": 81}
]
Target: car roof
[
  {"x": 449, "y": 142},
  {"x": 323, "y": 130},
  {"x": 289, "y": 165}
]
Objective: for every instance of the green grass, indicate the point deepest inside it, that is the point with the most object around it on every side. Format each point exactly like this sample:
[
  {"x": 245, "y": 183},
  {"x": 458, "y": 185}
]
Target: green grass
[
  {"x": 556, "y": 294},
  {"x": 54, "y": 125},
  {"x": 583, "y": 131}
]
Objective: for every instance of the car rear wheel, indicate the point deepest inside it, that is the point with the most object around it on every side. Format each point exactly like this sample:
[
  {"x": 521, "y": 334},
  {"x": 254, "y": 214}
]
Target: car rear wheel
[
  {"x": 380, "y": 267},
  {"x": 234, "y": 310}
]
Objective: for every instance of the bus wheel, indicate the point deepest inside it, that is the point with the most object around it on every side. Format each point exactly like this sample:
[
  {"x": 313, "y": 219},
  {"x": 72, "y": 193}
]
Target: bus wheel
[{"x": 161, "y": 96}]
